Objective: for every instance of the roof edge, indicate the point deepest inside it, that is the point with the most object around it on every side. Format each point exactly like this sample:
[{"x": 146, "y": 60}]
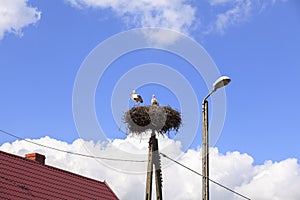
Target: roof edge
[
  {"x": 110, "y": 189},
  {"x": 51, "y": 167}
]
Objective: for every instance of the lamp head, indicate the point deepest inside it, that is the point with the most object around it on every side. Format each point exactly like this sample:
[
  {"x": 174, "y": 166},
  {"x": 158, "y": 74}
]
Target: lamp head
[{"x": 221, "y": 82}]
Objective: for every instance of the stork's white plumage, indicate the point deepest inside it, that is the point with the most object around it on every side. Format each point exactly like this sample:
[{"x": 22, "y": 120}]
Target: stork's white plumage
[
  {"x": 154, "y": 100},
  {"x": 136, "y": 97}
]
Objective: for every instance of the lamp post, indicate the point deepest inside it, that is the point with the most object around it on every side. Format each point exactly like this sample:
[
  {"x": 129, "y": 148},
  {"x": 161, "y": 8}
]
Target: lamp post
[{"x": 220, "y": 82}]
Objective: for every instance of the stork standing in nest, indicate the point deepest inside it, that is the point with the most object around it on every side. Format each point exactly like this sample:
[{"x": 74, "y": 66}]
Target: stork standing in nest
[
  {"x": 136, "y": 97},
  {"x": 154, "y": 100}
]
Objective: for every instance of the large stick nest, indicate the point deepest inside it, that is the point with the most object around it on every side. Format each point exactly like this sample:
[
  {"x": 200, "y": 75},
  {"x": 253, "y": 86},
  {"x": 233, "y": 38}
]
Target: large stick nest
[{"x": 162, "y": 119}]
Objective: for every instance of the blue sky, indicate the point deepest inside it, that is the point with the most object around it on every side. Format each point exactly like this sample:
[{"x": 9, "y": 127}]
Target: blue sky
[
  {"x": 258, "y": 51},
  {"x": 44, "y": 43}
]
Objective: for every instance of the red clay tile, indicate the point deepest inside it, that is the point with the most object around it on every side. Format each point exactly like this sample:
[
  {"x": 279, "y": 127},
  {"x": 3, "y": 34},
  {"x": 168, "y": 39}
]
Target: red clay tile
[{"x": 21, "y": 178}]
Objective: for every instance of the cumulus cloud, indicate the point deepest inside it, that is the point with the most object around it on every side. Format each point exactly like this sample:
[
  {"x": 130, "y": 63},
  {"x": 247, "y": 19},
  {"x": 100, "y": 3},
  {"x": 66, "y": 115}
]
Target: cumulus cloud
[
  {"x": 15, "y": 15},
  {"x": 271, "y": 180},
  {"x": 279, "y": 180}
]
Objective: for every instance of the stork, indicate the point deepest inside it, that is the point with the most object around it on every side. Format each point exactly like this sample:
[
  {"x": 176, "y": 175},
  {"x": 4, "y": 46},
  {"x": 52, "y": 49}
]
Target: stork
[
  {"x": 154, "y": 100},
  {"x": 136, "y": 97}
]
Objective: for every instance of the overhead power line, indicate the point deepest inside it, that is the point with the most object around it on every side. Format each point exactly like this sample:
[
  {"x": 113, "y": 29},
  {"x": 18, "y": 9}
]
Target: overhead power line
[
  {"x": 119, "y": 159},
  {"x": 219, "y": 184},
  {"x": 70, "y": 152}
]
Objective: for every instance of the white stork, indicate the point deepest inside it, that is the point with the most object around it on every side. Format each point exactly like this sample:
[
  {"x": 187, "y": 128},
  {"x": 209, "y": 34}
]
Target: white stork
[
  {"x": 136, "y": 97},
  {"x": 154, "y": 100}
]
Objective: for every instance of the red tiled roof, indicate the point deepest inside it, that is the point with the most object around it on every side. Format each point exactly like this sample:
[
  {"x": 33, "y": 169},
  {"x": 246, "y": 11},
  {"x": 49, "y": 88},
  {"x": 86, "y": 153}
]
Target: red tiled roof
[{"x": 21, "y": 178}]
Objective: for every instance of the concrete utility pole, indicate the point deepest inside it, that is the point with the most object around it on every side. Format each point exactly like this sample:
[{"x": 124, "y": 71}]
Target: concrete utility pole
[
  {"x": 149, "y": 172},
  {"x": 205, "y": 158},
  {"x": 154, "y": 159},
  {"x": 220, "y": 82}
]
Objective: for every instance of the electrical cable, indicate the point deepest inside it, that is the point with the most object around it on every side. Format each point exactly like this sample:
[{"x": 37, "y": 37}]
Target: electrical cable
[
  {"x": 219, "y": 184},
  {"x": 70, "y": 152},
  {"x": 118, "y": 159}
]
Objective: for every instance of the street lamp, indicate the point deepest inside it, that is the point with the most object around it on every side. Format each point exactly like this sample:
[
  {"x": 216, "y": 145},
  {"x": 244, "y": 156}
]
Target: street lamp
[{"x": 220, "y": 82}]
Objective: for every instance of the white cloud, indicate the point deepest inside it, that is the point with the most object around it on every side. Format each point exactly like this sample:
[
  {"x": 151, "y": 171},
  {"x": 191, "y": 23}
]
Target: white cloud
[
  {"x": 177, "y": 15},
  {"x": 272, "y": 180},
  {"x": 238, "y": 13},
  {"x": 15, "y": 15},
  {"x": 279, "y": 180},
  {"x": 184, "y": 16},
  {"x": 228, "y": 13}
]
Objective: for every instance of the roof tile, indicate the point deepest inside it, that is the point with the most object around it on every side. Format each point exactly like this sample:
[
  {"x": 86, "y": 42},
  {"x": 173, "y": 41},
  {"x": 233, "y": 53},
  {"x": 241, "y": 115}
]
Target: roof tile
[{"x": 21, "y": 178}]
